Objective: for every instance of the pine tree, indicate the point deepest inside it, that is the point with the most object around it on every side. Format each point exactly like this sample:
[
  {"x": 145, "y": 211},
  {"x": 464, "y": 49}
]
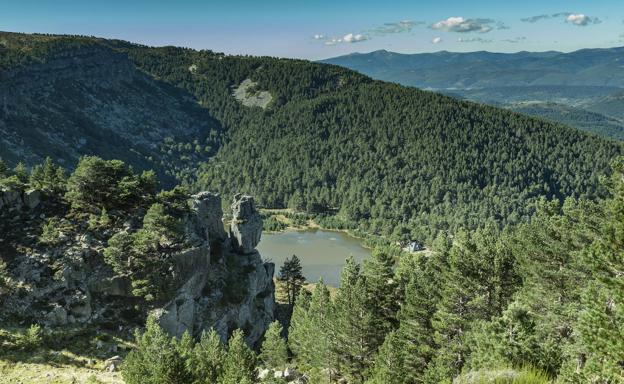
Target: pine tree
[
  {"x": 21, "y": 172},
  {"x": 353, "y": 331},
  {"x": 463, "y": 300},
  {"x": 240, "y": 361},
  {"x": 274, "y": 352},
  {"x": 382, "y": 294},
  {"x": 208, "y": 358},
  {"x": 156, "y": 359},
  {"x": 311, "y": 331},
  {"x": 291, "y": 276},
  {"x": 600, "y": 326},
  {"x": 389, "y": 364}
]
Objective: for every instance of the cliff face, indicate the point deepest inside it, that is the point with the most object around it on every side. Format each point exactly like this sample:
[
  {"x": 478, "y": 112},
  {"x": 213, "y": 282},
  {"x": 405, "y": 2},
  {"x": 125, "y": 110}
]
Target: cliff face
[
  {"x": 216, "y": 284},
  {"x": 223, "y": 285}
]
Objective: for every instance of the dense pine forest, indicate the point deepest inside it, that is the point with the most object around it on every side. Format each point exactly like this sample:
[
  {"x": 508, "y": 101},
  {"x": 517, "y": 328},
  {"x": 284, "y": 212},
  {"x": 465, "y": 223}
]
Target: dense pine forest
[
  {"x": 390, "y": 160},
  {"x": 522, "y": 218}
]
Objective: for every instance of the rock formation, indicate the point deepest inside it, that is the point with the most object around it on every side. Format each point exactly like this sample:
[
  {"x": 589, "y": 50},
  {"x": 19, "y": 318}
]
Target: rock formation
[
  {"x": 246, "y": 226},
  {"x": 220, "y": 280}
]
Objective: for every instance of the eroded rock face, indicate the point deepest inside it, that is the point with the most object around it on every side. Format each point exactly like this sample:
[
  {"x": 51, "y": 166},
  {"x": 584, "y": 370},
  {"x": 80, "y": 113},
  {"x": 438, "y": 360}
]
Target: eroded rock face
[
  {"x": 246, "y": 226},
  {"x": 204, "y": 299},
  {"x": 216, "y": 284},
  {"x": 208, "y": 215}
]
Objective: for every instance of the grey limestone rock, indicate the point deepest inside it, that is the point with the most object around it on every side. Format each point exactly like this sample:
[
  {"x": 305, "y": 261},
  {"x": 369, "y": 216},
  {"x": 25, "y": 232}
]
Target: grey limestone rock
[{"x": 246, "y": 226}]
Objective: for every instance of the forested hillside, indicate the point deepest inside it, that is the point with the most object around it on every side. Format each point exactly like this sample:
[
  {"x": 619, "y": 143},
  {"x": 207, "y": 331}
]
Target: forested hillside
[
  {"x": 389, "y": 159},
  {"x": 523, "y": 218},
  {"x": 583, "y": 87}
]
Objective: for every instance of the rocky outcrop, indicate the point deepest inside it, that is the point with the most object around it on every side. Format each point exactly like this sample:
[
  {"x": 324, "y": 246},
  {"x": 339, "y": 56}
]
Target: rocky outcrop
[
  {"x": 246, "y": 226},
  {"x": 203, "y": 301},
  {"x": 218, "y": 279},
  {"x": 16, "y": 199}
]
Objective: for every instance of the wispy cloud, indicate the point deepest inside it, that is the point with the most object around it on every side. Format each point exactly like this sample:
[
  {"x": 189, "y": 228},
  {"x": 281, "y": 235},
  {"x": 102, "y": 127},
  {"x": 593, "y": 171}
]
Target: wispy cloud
[
  {"x": 461, "y": 25},
  {"x": 473, "y": 40},
  {"x": 515, "y": 40},
  {"x": 535, "y": 19},
  {"x": 436, "y": 40},
  {"x": 396, "y": 27},
  {"x": 577, "y": 19}
]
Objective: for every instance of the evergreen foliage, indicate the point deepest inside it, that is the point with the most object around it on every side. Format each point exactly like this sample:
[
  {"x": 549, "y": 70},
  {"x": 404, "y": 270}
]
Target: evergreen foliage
[
  {"x": 274, "y": 352},
  {"x": 291, "y": 277}
]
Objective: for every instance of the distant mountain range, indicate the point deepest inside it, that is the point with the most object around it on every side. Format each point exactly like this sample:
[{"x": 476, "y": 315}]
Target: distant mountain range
[{"x": 584, "y": 89}]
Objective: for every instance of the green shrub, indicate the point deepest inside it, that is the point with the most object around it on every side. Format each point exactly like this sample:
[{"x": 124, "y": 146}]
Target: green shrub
[
  {"x": 271, "y": 224},
  {"x": 503, "y": 375},
  {"x": 31, "y": 339},
  {"x": 50, "y": 232}
]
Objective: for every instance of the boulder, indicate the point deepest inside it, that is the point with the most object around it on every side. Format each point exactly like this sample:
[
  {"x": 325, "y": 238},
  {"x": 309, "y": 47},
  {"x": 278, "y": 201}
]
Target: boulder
[
  {"x": 291, "y": 374},
  {"x": 57, "y": 316},
  {"x": 246, "y": 226},
  {"x": 263, "y": 373},
  {"x": 32, "y": 198},
  {"x": 113, "y": 364}
]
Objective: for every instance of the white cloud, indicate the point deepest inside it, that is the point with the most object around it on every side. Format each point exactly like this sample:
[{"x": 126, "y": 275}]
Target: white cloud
[
  {"x": 436, "y": 40},
  {"x": 461, "y": 25},
  {"x": 348, "y": 38},
  {"x": 353, "y": 38},
  {"x": 581, "y": 19},
  {"x": 319, "y": 36}
]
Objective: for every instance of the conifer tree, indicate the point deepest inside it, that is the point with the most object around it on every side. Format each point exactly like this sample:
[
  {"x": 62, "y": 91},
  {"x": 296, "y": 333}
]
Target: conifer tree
[
  {"x": 382, "y": 294},
  {"x": 600, "y": 326},
  {"x": 291, "y": 276},
  {"x": 310, "y": 331},
  {"x": 157, "y": 359},
  {"x": 353, "y": 332},
  {"x": 240, "y": 361},
  {"x": 274, "y": 352},
  {"x": 208, "y": 358},
  {"x": 21, "y": 172}
]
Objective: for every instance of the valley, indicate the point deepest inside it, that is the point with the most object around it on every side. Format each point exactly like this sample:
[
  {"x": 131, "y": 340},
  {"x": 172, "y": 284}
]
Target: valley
[{"x": 152, "y": 198}]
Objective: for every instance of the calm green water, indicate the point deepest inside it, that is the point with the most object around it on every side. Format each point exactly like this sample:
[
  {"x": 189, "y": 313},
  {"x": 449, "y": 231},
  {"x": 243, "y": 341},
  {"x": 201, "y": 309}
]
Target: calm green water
[{"x": 322, "y": 253}]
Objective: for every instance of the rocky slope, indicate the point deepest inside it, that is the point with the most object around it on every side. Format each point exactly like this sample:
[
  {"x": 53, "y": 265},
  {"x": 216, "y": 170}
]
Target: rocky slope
[
  {"x": 221, "y": 281},
  {"x": 93, "y": 100}
]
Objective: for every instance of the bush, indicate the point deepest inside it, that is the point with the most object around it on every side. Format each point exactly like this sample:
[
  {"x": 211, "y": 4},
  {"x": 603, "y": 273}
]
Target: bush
[
  {"x": 31, "y": 339},
  {"x": 271, "y": 224},
  {"x": 50, "y": 233},
  {"x": 504, "y": 376}
]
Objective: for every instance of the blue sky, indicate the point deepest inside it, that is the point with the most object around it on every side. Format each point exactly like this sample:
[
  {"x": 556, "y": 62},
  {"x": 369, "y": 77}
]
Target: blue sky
[{"x": 316, "y": 29}]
